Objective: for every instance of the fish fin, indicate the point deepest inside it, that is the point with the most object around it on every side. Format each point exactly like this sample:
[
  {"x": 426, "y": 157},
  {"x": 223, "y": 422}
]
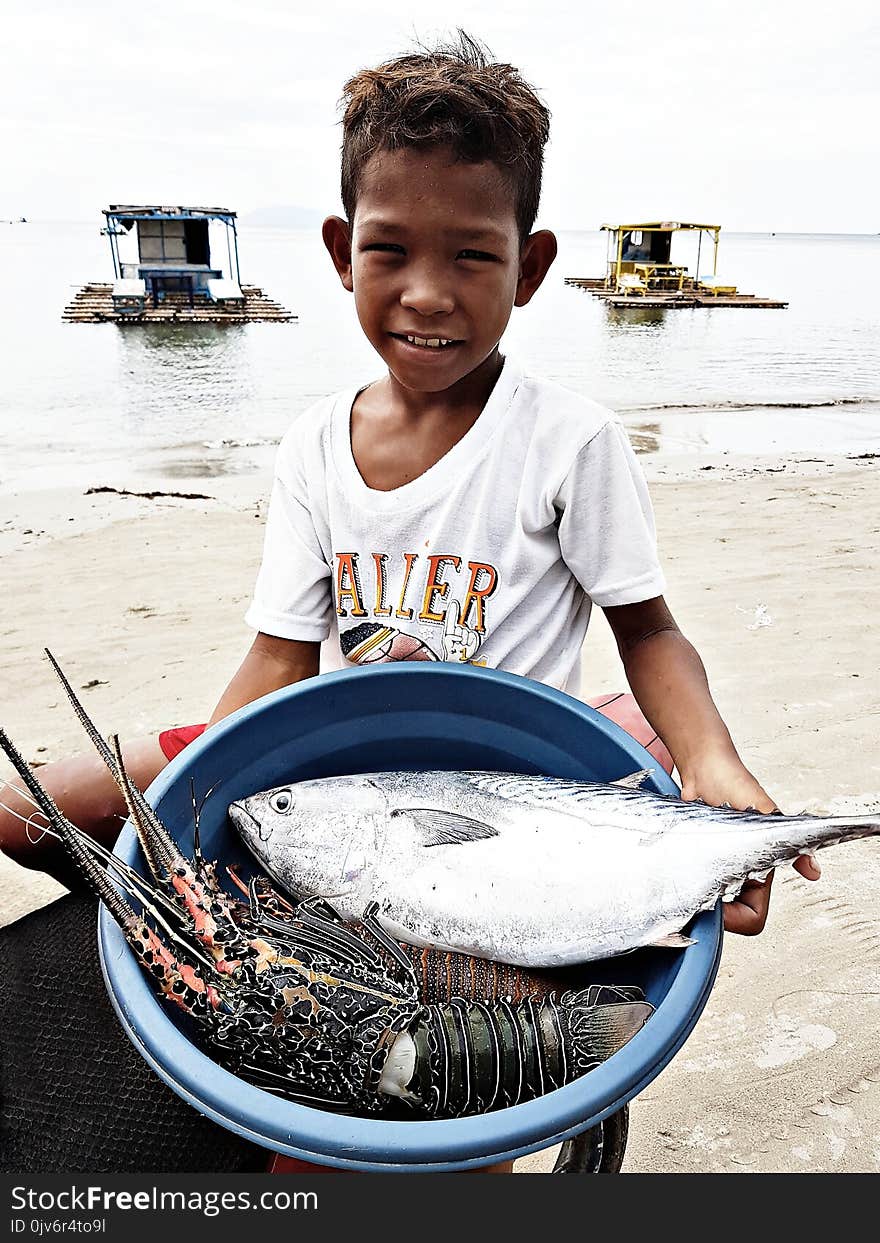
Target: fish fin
[
  {"x": 734, "y": 887},
  {"x": 573, "y": 798},
  {"x": 445, "y": 828},
  {"x": 675, "y": 941},
  {"x": 634, "y": 781}
]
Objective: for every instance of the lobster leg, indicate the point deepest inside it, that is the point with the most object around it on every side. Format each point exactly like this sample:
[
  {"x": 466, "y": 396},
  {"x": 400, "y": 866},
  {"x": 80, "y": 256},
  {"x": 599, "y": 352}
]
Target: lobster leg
[
  {"x": 371, "y": 925},
  {"x": 325, "y": 931}
]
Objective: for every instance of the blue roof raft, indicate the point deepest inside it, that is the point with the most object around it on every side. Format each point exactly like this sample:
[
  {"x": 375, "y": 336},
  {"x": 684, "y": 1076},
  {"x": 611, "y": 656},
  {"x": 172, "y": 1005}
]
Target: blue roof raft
[{"x": 166, "y": 269}]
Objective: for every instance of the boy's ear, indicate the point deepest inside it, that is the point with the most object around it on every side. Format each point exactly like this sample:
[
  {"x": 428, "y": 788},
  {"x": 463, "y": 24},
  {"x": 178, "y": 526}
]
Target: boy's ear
[
  {"x": 538, "y": 252},
  {"x": 337, "y": 239}
]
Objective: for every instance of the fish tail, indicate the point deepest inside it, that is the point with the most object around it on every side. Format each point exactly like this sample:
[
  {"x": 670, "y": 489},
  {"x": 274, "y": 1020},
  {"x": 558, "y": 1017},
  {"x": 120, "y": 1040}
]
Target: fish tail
[
  {"x": 781, "y": 839},
  {"x": 819, "y": 831}
]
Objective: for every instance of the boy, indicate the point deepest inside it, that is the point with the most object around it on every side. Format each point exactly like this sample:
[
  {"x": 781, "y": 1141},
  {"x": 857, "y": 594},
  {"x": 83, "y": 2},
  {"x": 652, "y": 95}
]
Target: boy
[{"x": 455, "y": 509}]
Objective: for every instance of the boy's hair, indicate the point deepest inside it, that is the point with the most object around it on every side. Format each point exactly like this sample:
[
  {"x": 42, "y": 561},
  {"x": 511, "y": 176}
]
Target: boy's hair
[{"x": 451, "y": 95}]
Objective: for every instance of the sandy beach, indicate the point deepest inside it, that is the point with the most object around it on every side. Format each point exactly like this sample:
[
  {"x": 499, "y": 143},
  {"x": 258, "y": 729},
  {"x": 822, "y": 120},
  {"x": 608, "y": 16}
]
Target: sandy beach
[{"x": 772, "y": 573}]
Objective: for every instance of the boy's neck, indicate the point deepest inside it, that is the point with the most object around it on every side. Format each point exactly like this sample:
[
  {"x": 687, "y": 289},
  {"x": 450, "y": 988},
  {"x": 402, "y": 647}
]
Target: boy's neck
[
  {"x": 467, "y": 396},
  {"x": 397, "y": 435}
]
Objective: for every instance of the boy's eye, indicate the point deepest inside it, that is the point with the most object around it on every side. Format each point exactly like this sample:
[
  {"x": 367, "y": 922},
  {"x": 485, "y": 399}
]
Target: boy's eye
[
  {"x": 477, "y": 254},
  {"x": 390, "y": 247}
]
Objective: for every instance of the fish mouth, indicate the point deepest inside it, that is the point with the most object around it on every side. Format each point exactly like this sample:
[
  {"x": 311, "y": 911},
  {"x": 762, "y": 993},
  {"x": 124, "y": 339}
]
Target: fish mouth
[{"x": 246, "y": 825}]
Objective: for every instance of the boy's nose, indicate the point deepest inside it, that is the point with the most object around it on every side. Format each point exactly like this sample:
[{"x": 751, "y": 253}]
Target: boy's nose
[{"x": 425, "y": 294}]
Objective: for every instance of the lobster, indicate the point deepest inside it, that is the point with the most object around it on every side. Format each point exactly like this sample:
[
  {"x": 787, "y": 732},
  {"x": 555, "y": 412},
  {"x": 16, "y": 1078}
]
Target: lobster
[{"x": 328, "y": 1014}]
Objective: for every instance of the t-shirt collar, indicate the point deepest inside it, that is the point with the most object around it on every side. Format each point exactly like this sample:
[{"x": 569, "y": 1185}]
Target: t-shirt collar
[{"x": 439, "y": 477}]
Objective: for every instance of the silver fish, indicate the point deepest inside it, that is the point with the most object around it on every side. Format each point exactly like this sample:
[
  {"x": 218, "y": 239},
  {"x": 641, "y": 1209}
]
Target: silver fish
[{"x": 534, "y": 871}]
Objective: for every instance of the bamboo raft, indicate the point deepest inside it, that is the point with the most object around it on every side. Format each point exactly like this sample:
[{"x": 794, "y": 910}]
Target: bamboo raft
[
  {"x": 672, "y": 300},
  {"x": 93, "y": 304}
]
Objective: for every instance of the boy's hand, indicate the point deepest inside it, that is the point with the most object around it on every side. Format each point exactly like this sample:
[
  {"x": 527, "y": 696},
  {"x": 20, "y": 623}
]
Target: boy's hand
[
  {"x": 669, "y": 682},
  {"x": 731, "y": 782}
]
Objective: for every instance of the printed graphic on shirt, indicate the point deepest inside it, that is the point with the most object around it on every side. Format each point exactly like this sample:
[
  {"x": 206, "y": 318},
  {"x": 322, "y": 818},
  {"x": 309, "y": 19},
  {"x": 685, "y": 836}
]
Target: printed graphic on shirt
[{"x": 461, "y": 627}]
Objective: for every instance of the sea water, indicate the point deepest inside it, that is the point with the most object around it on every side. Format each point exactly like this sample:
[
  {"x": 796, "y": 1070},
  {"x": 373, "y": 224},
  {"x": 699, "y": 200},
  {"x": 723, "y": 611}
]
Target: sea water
[{"x": 99, "y": 404}]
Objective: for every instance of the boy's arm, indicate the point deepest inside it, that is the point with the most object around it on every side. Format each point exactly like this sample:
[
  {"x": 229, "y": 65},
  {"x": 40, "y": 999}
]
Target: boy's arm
[
  {"x": 669, "y": 682},
  {"x": 270, "y": 664}
]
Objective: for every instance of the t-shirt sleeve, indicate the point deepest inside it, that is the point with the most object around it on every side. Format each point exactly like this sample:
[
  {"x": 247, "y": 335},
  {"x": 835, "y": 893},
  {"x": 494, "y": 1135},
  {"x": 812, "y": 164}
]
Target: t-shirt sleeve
[
  {"x": 293, "y": 595},
  {"x": 606, "y": 523}
]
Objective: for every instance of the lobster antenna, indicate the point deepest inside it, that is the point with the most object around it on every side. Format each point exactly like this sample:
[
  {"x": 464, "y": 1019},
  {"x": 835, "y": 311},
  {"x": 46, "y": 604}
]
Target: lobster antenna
[
  {"x": 80, "y": 845},
  {"x": 132, "y": 881},
  {"x": 163, "y": 845},
  {"x": 121, "y": 911},
  {"x": 197, "y": 817},
  {"x": 27, "y": 821},
  {"x": 197, "y": 836},
  {"x": 254, "y": 898},
  {"x": 150, "y": 847}
]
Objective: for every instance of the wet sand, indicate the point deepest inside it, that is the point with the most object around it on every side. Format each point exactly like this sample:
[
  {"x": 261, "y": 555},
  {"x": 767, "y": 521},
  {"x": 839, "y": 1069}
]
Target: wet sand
[{"x": 772, "y": 570}]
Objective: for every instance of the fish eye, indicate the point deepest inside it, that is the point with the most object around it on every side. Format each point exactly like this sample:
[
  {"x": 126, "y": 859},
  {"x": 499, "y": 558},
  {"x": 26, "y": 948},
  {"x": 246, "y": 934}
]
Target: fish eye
[{"x": 282, "y": 801}]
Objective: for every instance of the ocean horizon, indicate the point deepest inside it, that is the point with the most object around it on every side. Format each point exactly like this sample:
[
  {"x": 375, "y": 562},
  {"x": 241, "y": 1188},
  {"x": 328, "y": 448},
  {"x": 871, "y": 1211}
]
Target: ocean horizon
[{"x": 102, "y": 404}]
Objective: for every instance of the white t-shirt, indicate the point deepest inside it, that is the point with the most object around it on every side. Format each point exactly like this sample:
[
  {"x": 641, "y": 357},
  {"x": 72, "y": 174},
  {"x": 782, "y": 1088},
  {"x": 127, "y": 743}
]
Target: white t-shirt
[{"x": 493, "y": 556}]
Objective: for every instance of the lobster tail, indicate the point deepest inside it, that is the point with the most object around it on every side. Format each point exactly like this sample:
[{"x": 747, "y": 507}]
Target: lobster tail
[
  {"x": 472, "y": 1058},
  {"x": 590, "y": 1033}
]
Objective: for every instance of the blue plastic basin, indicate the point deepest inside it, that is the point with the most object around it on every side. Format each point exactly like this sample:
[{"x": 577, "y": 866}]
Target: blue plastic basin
[{"x": 395, "y": 717}]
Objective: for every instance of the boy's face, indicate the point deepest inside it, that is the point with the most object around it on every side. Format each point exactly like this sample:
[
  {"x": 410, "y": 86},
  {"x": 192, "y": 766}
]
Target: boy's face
[{"x": 435, "y": 256}]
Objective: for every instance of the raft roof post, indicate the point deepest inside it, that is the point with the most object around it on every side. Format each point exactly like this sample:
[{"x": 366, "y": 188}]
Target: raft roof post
[
  {"x": 229, "y": 254},
  {"x": 235, "y": 244},
  {"x": 699, "y": 247},
  {"x": 110, "y": 230}
]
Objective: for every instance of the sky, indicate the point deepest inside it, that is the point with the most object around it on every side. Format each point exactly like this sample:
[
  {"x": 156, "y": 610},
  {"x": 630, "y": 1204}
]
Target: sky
[{"x": 755, "y": 116}]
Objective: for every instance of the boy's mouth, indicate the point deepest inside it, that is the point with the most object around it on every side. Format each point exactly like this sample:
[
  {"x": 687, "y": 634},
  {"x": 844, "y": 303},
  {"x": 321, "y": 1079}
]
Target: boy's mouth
[{"x": 426, "y": 343}]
